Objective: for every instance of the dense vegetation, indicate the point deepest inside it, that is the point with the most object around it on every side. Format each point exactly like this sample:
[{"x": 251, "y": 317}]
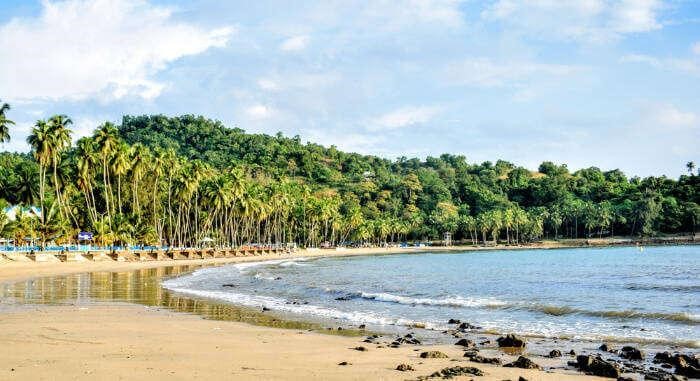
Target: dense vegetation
[{"x": 183, "y": 179}]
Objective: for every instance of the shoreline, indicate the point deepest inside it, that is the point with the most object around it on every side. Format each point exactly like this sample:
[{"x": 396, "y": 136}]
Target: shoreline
[
  {"x": 11, "y": 271},
  {"x": 108, "y": 313}
]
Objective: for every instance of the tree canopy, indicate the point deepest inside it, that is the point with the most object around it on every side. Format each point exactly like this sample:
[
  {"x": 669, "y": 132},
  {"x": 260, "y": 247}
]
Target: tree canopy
[{"x": 178, "y": 180}]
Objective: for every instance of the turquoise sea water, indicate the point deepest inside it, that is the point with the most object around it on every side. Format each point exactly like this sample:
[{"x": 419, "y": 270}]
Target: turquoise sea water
[{"x": 619, "y": 294}]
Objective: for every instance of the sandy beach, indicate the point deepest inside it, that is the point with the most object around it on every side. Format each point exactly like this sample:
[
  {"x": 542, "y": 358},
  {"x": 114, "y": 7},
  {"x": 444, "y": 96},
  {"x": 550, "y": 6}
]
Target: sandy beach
[
  {"x": 114, "y": 340},
  {"x": 133, "y": 342}
]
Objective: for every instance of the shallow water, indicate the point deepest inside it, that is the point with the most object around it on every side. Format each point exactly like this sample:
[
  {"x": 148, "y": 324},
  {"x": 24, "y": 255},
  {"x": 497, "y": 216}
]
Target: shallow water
[
  {"x": 608, "y": 294},
  {"x": 140, "y": 287}
]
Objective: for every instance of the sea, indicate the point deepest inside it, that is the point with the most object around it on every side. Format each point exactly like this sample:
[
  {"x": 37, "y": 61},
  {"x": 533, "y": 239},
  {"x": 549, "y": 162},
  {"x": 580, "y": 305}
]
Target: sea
[{"x": 621, "y": 294}]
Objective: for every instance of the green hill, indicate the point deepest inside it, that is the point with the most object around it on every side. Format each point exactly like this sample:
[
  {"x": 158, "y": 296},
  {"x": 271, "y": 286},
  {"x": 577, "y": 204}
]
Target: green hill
[{"x": 182, "y": 178}]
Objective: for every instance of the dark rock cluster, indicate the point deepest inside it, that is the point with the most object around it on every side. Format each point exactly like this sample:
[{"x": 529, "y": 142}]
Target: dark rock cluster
[
  {"x": 524, "y": 363},
  {"x": 511, "y": 341}
]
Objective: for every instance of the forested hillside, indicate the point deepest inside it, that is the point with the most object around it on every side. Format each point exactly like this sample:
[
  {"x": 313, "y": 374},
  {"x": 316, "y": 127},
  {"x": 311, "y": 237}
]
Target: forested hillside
[{"x": 180, "y": 179}]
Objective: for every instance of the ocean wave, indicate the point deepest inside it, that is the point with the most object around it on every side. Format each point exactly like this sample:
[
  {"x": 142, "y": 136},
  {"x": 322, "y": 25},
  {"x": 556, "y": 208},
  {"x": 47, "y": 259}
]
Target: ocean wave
[
  {"x": 553, "y": 310},
  {"x": 245, "y": 267},
  {"x": 281, "y": 305},
  {"x": 607, "y": 332},
  {"x": 679, "y": 317},
  {"x": 456, "y": 301},
  {"x": 647, "y": 341},
  {"x": 552, "y": 329},
  {"x": 660, "y": 287},
  {"x": 291, "y": 263}
]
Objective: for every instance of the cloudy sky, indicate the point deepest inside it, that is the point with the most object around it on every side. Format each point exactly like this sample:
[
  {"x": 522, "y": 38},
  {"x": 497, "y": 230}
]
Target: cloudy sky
[{"x": 613, "y": 84}]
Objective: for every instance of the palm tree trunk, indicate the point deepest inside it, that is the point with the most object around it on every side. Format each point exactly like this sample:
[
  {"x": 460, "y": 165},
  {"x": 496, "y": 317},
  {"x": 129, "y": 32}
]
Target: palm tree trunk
[
  {"x": 119, "y": 192},
  {"x": 58, "y": 192}
]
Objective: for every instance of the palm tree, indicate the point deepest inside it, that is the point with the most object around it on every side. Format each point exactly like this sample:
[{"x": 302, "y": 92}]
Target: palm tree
[
  {"x": 4, "y": 108},
  {"x": 26, "y": 191},
  {"x": 52, "y": 226},
  {"x": 496, "y": 217},
  {"x": 4, "y": 123},
  {"x": 107, "y": 139},
  {"x": 157, "y": 165},
  {"x": 120, "y": 166},
  {"x": 23, "y": 227},
  {"x": 217, "y": 195},
  {"x": 519, "y": 219},
  {"x": 690, "y": 165},
  {"x": 140, "y": 157},
  {"x": 41, "y": 141},
  {"x": 86, "y": 162},
  {"x": 508, "y": 222},
  {"x": 123, "y": 230},
  {"x": 484, "y": 224},
  {"x": 59, "y": 141}
]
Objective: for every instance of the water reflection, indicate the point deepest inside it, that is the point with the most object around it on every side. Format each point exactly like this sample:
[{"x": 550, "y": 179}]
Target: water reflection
[{"x": 141, "y": 287}]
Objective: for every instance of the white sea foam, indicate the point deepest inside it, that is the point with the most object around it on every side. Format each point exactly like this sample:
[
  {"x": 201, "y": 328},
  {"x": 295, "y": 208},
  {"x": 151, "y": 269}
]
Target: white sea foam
[
  {"x": 261, "y": 276},
  {"x": 278, "y": 304},
  {"x": 455, "y": 301},
  {"x": 245, "y": 267},
  {"x": 291, "y": 263}
]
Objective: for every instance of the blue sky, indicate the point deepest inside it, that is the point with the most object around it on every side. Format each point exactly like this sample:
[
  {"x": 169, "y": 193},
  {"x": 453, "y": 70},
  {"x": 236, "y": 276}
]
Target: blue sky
[{"x": 613, "y": 84}]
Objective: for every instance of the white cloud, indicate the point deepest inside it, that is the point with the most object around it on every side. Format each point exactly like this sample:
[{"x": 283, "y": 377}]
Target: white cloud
[
  {"x": 483, "y": 72},
  {"x": 294, "y": 44},
  {"x": 377, "y": 16},
  {"x": 259, "y": 111},
  {"x": 79, "y": 49},
  {"x": 581, "y": 20},
  {"x": 688, "y": 66},
  {"x": 85, "y": 125},
  {"x": 524, "y": 95},
  {"x": 347, "y": 140},
  {"x": 667, "y": 115},
  {"x": 398, "y": 14},
  {"x": 696, "y": 48},
  {"x": 403, "y": 117},
  {"x": 634, "y": 16},
  {"x": 267, "y": 84}
]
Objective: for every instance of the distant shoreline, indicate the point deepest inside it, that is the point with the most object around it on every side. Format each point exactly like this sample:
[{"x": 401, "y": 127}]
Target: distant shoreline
[{"x": 11, "y": 271}]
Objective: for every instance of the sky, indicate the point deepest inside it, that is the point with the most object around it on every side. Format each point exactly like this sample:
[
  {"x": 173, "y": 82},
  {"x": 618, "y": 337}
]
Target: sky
[{"x": 611, "y": 84}]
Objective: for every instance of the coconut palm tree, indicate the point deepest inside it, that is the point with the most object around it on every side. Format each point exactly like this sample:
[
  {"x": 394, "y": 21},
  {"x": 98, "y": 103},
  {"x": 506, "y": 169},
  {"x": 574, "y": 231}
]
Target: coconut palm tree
[
  {"x": 41, "y": 141},
  {"x": 24, "y": 227},
  {"x": 26, "y": 189},
  {"x": 484, "y": 223},
  {"x": 4, "y": 108},
  {"x": 107, "y": 139},
  {"x": 87, "y": 159},
  {"x": 140, "y": 157},
  {"x": 217, "y": 194},
  {"x": 4, "y": 123},
  {"x": 158, "y": 164},
  {"x": 59, "y": 141},
  {"x": 120, "y": 166}
]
